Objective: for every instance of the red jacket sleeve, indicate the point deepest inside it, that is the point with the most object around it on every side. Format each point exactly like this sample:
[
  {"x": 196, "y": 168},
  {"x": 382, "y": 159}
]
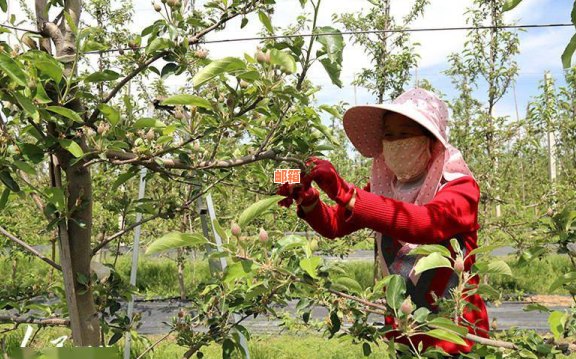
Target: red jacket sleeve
[
  {"x": 453, "y": 210},
  {"x": 329, "y": 221}
]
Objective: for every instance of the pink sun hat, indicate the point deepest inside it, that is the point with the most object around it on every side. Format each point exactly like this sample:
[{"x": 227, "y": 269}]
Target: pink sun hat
[
  {"x": 364, "y": 124},
  {"x": 364, "y": 127}
]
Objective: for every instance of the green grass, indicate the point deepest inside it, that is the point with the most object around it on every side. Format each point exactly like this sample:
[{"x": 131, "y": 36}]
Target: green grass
[
  {"x": 534, "y": 277},
  {"x": 306, "y": 345},
  {"x": 157, "y": 277}
]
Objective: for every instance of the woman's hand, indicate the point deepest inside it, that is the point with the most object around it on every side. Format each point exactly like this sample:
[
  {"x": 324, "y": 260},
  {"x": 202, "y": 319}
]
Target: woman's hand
[
  {"x": 303, "y": 193},
  {"x": 328, "y": 179}
]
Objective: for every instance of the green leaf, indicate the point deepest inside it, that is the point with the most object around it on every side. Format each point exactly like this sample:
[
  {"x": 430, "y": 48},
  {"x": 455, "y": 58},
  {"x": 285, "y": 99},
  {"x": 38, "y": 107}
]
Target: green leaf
[
  {"x": 427, "y": 249},
  {"x": 41, "y": 96},
  {"x": 112, "y": 114},
  {"x": 536, "y": 307},
  {"x": 228, "y": 347},
  {"x": 71, "y": 147},
  {"x": 284, "y": 60},
  {"x": 446, "y": 335},
  {"x": 176, "y": 240},
  {"x": 218, "y": 228},
  {"x": 123, "y": 178},
  {"x": 290, "y": 242},
  {"x": 563, "y": 279},
  {"x": 335, "y": 323},
  {"x": 395, "y": 291},
  {"x": 434, "y": 260},
  {"x": 493, "y": 267},
  {"x": 366, "y": 349},
  {"x": 25, "y": 167},
  {"x": 557, "y": 322},
  {"x": 3, "y": 5},
  {"x": 238, "y": 270},
  {"x": 347, "y": 284},
  {"x": 191, "y": 100},
  {"x": 568, "y": 52},
  {"x": 309, "y": 265},
  {"x": 4, "y": 198},
  {"x": 65, "y": 112},
  {"x": 421, "y": 314},
  {"x": 485, "y": 249},
  {"x": 147, "y": 122},
  {"x": 27, "y": 105},
  {"x": 326, "y": 132},
  {"x": 257, "y": 209},
  {"x": 13, "y": 69},
  {"x": 71, "y": 22},
  {"x": 51, "y": 68},
  {"x": 447, "y": 324},
  {"x": 159, "y": 44},
  {"x": 265, "y": 20},
  {"x": 91, "y": 45},
  {"x": 8, "y": 181},
  {"x": 332, "y": 44},
  {"x": 56, "y": 197},
  {"x": 101, "y": 76},
  {"x": 487, "y": 291},
  {"x": 32, "y": 152},
  {"x": 510, "y": 4},
  {"x": 169, "y": 69},
  {"x": 573, "y": 14},
  {"x": 331, "y": 110},
  {"x": 333, "y": 69},
  {"x": 217, "y": 68},
  {"x": 116, "y": 337}
]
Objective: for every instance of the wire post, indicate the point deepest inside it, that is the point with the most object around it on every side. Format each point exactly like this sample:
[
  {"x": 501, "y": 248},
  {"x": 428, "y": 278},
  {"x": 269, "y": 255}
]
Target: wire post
[
  {"x": 135, "y": 253},
  {"x": 217, "y": 267}
]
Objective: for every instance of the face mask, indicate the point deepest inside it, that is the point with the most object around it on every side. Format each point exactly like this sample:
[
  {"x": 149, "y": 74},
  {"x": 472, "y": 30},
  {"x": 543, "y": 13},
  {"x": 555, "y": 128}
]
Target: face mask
[{"x": 407, "y": 158}]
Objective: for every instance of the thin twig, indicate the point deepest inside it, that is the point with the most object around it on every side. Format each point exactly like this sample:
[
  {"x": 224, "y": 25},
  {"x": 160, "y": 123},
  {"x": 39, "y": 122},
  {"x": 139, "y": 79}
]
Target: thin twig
[
  {"x": 131, "y": 227},
  {"x": 491, "y": 342},
  {"x": 194, "y": 40},
  {"x": 29, "y": 248},
  {"x": 30, "y": 320},
  {"x": 153, "y": 345}
]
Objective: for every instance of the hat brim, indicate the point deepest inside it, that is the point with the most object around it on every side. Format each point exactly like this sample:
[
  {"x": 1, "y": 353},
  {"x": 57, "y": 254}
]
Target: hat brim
[{"x": 364, "y": 125}]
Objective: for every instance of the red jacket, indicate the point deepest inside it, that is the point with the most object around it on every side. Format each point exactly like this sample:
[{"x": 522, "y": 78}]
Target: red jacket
[{"x": 453, "y": 213}]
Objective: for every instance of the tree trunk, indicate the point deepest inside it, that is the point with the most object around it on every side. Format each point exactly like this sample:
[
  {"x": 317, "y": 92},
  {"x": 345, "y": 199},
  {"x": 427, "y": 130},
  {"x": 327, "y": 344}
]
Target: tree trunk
[
  {"x": 74, "y": 228},
  {"x": 79, "y": 231},
  {"x": 76, "y": 252}
]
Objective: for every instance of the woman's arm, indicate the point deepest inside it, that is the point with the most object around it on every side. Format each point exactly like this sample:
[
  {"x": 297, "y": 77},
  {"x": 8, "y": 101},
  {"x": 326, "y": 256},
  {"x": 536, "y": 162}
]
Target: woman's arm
[
  {"x": 453, "y": 210},
  {"x": 329, "y": 221}
]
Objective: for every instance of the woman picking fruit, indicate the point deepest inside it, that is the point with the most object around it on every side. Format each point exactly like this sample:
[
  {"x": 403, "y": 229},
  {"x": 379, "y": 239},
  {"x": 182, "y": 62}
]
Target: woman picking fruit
[{"x": 421, "y": 192}]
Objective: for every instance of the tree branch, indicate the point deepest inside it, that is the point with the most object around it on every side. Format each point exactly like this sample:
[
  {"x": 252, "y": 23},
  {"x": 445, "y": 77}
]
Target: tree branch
[
  {"x": 131, "y": 227},
  {"x": 153, "y": 345},
  {"x": 491, "y": 342},
  {"x": 30, "y": 249},
  {"x": 30, "y": 320},
  {"x": 119, "y": 157},
  {"x": 192, "y": 41}
]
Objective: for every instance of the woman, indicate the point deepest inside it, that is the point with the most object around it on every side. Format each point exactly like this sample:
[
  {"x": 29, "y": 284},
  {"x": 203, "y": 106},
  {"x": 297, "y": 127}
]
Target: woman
[{"x": 421, "y": 192}]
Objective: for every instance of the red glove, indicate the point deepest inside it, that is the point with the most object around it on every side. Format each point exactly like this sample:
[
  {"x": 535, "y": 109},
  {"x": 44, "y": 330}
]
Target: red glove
[
  {"x": 328, "y": 179},
  {"x": 304, "y": 194}
]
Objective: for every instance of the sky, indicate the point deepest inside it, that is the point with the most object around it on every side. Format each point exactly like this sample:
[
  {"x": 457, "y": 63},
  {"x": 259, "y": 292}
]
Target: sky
[{"x": 540, "y": 49}]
